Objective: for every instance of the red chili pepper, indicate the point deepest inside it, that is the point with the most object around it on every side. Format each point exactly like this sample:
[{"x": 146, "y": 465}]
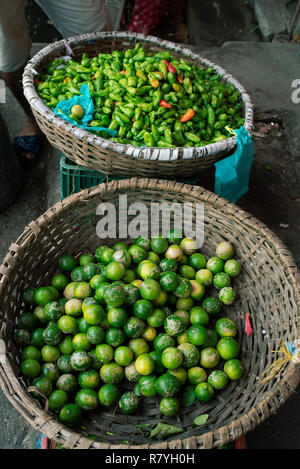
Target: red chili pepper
[
  {"x": 36, "y": 81},
  {"x": 164, "y": 103},
  {"x": 170, "y": 67},
  {"x": 187, "y": 115},
  {"x": 123, "y": 72}
]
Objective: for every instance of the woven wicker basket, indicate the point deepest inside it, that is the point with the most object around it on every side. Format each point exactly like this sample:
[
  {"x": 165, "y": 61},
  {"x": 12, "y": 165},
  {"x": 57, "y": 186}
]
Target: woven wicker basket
[
  {"x": 267, "y": 288},
  {"x": 109, "y": 157}
]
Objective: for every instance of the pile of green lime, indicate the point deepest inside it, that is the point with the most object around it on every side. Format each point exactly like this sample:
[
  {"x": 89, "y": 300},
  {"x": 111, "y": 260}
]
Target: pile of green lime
[{"x": 149, "y": 313}]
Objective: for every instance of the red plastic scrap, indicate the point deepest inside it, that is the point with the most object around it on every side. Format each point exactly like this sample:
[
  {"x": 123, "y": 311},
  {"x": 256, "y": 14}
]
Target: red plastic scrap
[{"x": 248, "y": 325}]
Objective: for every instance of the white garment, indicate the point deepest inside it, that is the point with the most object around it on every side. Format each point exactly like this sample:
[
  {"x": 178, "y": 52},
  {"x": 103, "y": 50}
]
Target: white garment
[{"x": 70, "y": 17}]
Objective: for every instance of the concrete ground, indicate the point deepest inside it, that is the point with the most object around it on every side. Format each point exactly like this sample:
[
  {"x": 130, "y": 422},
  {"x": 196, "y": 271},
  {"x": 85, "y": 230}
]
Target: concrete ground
[{"x": 266, "y": 70}]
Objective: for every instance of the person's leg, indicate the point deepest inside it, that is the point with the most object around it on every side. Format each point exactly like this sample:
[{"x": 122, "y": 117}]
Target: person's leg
[
  {"x": 15, "y": 45},
  {"x": 73, "y": 17}
]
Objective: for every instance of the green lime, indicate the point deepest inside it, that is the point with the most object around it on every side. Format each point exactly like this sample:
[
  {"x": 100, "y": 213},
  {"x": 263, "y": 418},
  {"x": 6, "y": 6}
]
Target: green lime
[
  {"x": 204, "y": 392},
  {"x": 132, "y": 294},
  {"x": 120, "y": 245},
  {"x": 37, "y": 338},
  {"x": 199, "y": 316},
  {"x": 215, "y": 265},
  {"x": 221, "y": 280},
  {"x": 97, "y": 280},
  {"x": 129, "y": 403},
  {"x": 149, "y": 334},
  {"x": 198, "y": 290},
  {"x": 106, "y": 255},
  {"x": 31, "y": 352},
  {"x": 209, "y": 357},
  {"x": 205, "y": 277},
  {"x": 156, "y": 318},
  {"x": 80, "y": 360},
  {"x": 169, "y": 281},
  {"x": 67, "y": 324},
  {"x": 64, "y": 364},
  {"x": 161, "y": 299},
  {"x": 197, "y": 261},
  {"x": 218, "y": 379},
  {"x": 144, "y": 364},
  {"x": 197, "y": 335},
  {"x": 153, "y": 257},
  {"x": 158, "y": 366},
  {"x": 114, "y": 295},
  {"x": 70, "y": 415},
  {"x": 190, "y": 353},
  {"x": 129, "y": 276},
  {"x": 44, "y": 385},
  {"x": 147, "y": 269},
  {"x": 174, "y": 325},
  {"x": 185, "y": 303},
  {"x": 182, "y": 338},
  {"x": 134, "y": 327},
  {"x": 174, "y": 236},
  {"x": 117, "y": 317},
  {"x": 104, "y": 353},
  {"x": 227, "y": 295},
  {"x": 131, "y": 374},
  {"x": 115, "y": 270},
  {"x": 196, "y": 375},
  {"x": 39, "y": 313},
  {"x": 137, "y": 253},
  {"x": 167, "y": 385},
  {"x": 99, "y": 292},
  {"x": 50, "y": 353},
  {"x": 114, "y": 336},
  {"x": 143, "y": 242},
  {"x": 86, "y": 258},
  {"x": 111, "y": 373},
  {"x": 225, "y": 250},
  {"x": 123, "y": 355},
  {"x": 171, "y": 358},
  {"x": 30, "y": 368},
  {"x": 187, "y": 271},
  {"x": 167, "y": 265},
  {"x": 108, "y": 394},
  {"x": 232, "y": 268},
  {"x": 169, "y": 406},
  {"x": 188, "y": 246},
  {"x": 184, "y": 288},
  {"x": 78, "y": 275},
  {"x": 147, "y": 385},
  {"x": 95, "y": 335},
  {"x": 28, "y": 295},
  {"x": 225, "y": 327},
  {"x": 52, "y": 335},
  {"x": 150, "y": 289},
  {"x": 163, "y": 341},
  {"x": 139, "y": 346},
  {"x": 57, "y": 399},
  {"x": 228, "y": 348},
  {"x": 60, "y": 281},
  {"x": 95, "y": 364},
  {"x": 69, "y": 291},
  {"x": 86, "y": 399},
  {"x": 73, "y": 307},
  {"x": 89, "y": 379},
  {"x": 28, "y": 322},
  {"x": 142, "y": 309},
  {"x": 82, "y": 290},
  {"x": 184, "y": 315},
  {"x": 212, "y": 339},
  {"x": 90, "y": 271},
  {"x": 180, "y": 374},
  {"x": 212, "y": 305},
  {"x": 67, "y": 262},
  {"x": 93, "y": 314},
  {"x": 233, "y": 369},
  {"x": 66, "y": 345},
  {"x": 50, "y": 371},
  {"x": 159, "y": 244}
]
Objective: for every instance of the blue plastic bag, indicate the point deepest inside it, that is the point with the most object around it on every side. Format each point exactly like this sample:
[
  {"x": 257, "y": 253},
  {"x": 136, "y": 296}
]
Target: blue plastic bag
[
  {"x": 63, "y": 109},
  {"x": 233, "y": 173}
]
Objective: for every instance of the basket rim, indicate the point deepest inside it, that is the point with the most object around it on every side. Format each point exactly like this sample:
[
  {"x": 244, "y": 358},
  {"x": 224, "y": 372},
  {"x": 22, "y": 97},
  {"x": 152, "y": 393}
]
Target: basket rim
[
  {"x": 44, "y": 422},
  {"x": 156, "y": 154}
]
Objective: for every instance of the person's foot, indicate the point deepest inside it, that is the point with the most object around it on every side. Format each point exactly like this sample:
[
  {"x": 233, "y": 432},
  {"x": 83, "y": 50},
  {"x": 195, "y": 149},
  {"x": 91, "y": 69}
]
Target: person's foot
[{"x": 28, "y": 143}]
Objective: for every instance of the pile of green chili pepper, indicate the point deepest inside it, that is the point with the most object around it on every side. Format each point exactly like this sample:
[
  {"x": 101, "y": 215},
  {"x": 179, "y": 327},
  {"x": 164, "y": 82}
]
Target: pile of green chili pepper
[{"x": 150, "y": 99}]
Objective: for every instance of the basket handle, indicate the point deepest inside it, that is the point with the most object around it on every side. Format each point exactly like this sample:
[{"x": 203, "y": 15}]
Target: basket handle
[{"x": 3, "y": 357}]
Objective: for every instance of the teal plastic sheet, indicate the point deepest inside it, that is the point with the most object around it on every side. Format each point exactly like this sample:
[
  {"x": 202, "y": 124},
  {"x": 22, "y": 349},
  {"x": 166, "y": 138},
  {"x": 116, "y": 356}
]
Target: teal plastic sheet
[
  {"x": 233, "y": 173},
  {"x": 63, "y": 109}
]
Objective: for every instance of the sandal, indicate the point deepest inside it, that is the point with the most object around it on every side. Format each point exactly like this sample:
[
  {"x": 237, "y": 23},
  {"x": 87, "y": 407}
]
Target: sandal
[{"x": 29, "y": 144}]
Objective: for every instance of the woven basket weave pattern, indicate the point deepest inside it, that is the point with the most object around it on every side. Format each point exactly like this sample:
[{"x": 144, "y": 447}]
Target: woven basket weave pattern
[
  {"x": 267, "y": 289},
  {"x": 109, "y": 157}
]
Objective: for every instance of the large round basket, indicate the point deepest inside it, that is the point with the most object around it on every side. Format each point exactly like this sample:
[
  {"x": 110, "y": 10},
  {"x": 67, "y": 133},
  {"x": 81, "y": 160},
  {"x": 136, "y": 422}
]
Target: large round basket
[
  {"x": 267, "y": 289},
  {"x": 109, "y": 157}
]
